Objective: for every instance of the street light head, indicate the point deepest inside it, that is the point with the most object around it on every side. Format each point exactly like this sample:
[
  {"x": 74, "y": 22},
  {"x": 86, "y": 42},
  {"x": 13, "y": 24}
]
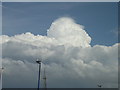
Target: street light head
[
  {"x": 38, "y": 61},
  {"x": 99, "y": 86}
]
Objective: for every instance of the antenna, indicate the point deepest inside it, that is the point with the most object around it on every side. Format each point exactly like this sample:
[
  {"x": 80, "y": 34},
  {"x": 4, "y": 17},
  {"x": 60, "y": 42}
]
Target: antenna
[{"x": 44, "y": 78}]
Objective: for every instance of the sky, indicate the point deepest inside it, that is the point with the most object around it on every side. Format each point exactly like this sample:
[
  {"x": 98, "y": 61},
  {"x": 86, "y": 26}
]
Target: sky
[
  {"x": 75, "y": 41},
  {"x": 99, "y": 19}
]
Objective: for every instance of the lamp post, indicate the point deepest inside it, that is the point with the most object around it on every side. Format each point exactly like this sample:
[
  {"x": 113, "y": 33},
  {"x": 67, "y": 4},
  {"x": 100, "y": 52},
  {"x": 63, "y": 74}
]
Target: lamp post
[{"x": 39, "y": 63}]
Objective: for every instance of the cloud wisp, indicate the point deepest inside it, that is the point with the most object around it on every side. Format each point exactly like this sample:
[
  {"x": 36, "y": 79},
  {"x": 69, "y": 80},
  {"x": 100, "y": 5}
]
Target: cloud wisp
[{"x": 67, "y": 55}]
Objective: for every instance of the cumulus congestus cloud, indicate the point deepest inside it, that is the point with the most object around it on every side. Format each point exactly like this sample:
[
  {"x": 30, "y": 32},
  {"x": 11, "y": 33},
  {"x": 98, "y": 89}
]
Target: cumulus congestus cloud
[
  {"x": 66, "y": 31},
  {"x": 67, "y": 55}
]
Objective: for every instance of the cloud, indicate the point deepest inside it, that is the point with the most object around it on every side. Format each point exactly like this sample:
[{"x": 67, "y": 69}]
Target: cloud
[
  {"x": 67, "y": 55},
  {"x": 66, "y": 31}
]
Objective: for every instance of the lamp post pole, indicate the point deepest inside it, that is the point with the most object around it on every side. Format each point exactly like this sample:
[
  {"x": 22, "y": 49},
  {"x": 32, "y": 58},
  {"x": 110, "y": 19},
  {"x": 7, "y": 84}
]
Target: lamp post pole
[{"x": 39, "y": 63}]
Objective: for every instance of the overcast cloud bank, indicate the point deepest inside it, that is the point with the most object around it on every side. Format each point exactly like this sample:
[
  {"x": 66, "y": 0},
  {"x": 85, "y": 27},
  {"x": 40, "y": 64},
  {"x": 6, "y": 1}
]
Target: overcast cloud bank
[{"x": 67, "y": 55}]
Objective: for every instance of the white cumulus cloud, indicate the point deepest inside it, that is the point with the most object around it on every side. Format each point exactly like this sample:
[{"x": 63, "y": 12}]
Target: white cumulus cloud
[
  {"x": 67, "y": 55},
  {"x": 66, "y": 31}
]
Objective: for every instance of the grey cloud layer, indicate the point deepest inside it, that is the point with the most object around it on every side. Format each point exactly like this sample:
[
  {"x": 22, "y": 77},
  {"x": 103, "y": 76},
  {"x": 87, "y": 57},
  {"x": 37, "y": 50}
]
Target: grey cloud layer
[{"x": 67, "y": 64}]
